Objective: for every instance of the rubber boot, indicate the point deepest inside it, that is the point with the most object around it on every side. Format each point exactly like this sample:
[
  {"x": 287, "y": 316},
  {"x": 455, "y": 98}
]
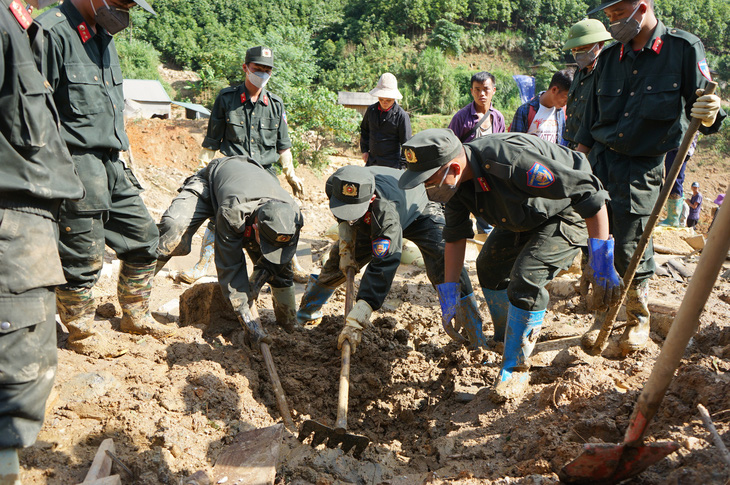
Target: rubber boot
[
  {"x": 674, "y": 210},
  {"x": 9, "y": 467},
  {"x": 588, "y": 340},
  {"x": 636, "y": 334},
  {"x": 469, "y": 321},
  {"x": 523, "y": 328},
  {"x": 206, "y": 256},
  {"x": 133, "y": 290},
  {"x": 285, "y": 308},
  {"x": 76, "y": 309},
  {"x": 498, "y": 304},
  {"x": 315, "y": 296}
]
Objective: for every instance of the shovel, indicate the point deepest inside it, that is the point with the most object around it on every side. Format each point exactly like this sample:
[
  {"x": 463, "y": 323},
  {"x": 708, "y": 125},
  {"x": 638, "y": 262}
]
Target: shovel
[
  {"x": 608, "y": 463},
  {"x": 339, "y": 435},
  {"x": 602, "y": 339}
]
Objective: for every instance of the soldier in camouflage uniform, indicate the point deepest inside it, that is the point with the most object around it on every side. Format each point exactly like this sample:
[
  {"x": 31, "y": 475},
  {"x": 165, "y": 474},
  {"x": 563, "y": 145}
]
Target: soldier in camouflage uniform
[
  {"x": 537, "y": 195},
  {"x": 36, "y": 175},
  {"x": 368, "y": 201},
  {"x": 82, "y": 67},
  {"x": 647, "y": 86},
  {"x": 252, "y": 212}
]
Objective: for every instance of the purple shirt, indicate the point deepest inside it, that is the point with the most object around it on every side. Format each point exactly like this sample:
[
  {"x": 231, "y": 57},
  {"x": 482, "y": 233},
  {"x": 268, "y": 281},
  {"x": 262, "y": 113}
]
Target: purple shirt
[
  {"x": 694, "y": 214},
  {"x": 466, "y": 119}
]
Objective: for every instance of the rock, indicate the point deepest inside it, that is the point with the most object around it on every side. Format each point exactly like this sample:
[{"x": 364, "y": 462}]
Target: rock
[
  {"x": 562, "y": 287},
  {"x": 170, "y": 311},
  {"x": 106, "y": 310},
  {"x": 87, "y": 386}
]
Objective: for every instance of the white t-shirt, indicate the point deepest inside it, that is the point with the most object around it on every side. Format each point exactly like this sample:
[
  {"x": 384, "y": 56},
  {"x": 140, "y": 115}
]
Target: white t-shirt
[{"x": 545, "y": 124}]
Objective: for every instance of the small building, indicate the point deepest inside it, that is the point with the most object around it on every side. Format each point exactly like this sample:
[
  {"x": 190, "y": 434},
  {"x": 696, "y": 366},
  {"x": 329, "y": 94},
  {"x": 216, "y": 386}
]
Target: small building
[
  {"x": 193, "y": 111},
  {"x": 145, "y": 98},
  {"x": 355, "y": 100}
]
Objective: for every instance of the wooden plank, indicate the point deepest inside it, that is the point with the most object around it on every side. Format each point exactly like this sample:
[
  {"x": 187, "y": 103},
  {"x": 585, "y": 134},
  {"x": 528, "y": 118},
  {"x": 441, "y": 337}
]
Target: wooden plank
[
  {"x": 102, "y": 465},
  {"x": 251, "y": 458},
  {"x": 112, "y": 480}
]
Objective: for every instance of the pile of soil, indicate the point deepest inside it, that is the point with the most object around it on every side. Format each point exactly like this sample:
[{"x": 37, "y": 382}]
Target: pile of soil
[{"x": 173, "y": 405}]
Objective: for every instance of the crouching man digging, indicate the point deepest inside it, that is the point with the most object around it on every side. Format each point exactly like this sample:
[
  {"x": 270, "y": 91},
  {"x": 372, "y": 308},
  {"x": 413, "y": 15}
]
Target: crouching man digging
[
  {"x": 537, "y": 195},
  {"x": 251, "y": 212},
  {"x": 367, "y": 200}
]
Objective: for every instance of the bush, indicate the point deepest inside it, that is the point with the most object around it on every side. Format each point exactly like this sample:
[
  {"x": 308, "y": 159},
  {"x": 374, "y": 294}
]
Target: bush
[
  {"x": 139, "y": 60},
  {"x": 447, "y": 36}
]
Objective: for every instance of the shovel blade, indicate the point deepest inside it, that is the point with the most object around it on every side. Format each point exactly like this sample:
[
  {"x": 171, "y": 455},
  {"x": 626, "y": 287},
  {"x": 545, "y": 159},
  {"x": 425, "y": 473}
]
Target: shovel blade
[
  {"x": 606, "y": 463},
  {"x": 333, "y": 438}
]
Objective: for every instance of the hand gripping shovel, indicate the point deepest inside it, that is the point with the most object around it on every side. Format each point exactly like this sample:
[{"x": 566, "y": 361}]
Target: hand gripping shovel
[
  {"x": 602, "y": 339},
  {"x": 339, "y": 434},
  {"x": 603, "y": 463}
]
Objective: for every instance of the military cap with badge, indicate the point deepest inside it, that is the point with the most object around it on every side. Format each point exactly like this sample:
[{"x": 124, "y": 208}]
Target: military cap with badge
[{"x": 279, "y": 225}]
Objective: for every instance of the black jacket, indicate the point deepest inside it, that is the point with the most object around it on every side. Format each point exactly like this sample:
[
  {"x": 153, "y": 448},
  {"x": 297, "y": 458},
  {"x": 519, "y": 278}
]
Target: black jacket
[{"x": 383, "y": 133}]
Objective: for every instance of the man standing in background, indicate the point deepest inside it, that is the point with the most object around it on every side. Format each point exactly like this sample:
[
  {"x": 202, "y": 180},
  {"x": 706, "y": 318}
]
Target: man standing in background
[
  {"x": 385, "y": 126},
  {"x": 247, "y": 120},
  {"x": 478, "y": 118},
  {"x": 695, "y": 205}
]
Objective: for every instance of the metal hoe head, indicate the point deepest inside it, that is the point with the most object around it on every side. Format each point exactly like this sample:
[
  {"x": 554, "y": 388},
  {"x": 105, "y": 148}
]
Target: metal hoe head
[
  {"x": 333, "y": 437},
  {"x": 606, "y": 463}
]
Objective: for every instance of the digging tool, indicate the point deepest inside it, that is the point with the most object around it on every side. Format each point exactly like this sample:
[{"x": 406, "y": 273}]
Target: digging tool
[
  {"x": 603, "y": 463},
  {"x": 602, "y": 339},
  {"x": 339, "y": 435},
  {"x": 273, "y": 375}
]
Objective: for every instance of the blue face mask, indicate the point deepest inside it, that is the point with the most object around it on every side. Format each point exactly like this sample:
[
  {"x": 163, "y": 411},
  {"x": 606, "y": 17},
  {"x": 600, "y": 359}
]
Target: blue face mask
[{"x": 442, "y": 192}]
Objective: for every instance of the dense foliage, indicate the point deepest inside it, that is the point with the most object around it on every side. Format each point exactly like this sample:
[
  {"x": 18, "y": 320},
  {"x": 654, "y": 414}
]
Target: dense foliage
[{"x": 325, "y": 46}]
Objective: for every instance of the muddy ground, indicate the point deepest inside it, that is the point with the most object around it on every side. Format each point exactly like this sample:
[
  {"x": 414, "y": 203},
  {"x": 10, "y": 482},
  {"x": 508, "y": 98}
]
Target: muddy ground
[{"x": 172, "y": 405}]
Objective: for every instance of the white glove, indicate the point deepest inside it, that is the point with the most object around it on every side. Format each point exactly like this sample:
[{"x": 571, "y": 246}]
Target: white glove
[
  {"x": 706, "y": 107},
  {"x": 206, "y": 155},
  {"x": 287, "y": 167},
  {"x": 357, "y": 319}
]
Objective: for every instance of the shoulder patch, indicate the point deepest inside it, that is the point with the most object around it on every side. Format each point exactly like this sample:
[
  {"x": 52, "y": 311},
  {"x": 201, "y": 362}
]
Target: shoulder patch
[
  {"x": 381, "y": 247},
  {"x": 539, "y": 176},
  {"x": 704, "y": 69}
]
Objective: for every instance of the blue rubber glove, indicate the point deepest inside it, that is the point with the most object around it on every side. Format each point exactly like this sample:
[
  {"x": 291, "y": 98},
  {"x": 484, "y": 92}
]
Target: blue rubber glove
[
  {"x": 604, "y": 279},
  {"x": 449, "y": 299}
]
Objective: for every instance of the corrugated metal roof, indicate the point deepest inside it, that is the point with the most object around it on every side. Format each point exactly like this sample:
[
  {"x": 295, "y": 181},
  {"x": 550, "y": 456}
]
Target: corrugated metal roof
[
  {"x": 195, "y": 107},
  {"x": 145, "y": 90},
  {"x": 352, "y": 98}
]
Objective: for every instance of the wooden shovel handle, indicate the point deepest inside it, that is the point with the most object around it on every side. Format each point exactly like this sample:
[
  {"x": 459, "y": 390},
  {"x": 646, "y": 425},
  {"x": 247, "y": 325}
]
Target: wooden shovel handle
[
  {"x": 683, "y": 328},
  {"x": 274, "y": 376},
  {"x": 344, "y": 394},
  {"x": 602, "y": 339}
]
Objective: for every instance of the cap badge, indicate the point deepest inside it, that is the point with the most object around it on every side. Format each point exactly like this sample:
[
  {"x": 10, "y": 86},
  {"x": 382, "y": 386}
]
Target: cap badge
[
  {"x": 410, "y": 155},
  {"x": 282, "y": 238},
  {"x": 349, "y": 190},
  {"x": 266, "y": 52}
]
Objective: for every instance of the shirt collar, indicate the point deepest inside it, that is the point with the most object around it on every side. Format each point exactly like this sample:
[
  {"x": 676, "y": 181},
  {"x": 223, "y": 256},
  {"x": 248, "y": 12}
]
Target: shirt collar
[
  {"x": 79, "y": 24},
  {"x": 653, "y": 44},
  {"x": 263, "y": 96},
  {"x": 473, "y": 109},
  {"x": 386, "y": 110}
]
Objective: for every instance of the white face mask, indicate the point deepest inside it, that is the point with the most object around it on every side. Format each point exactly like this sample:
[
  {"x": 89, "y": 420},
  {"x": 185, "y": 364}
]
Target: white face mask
[{"x": 259, "y": 78}]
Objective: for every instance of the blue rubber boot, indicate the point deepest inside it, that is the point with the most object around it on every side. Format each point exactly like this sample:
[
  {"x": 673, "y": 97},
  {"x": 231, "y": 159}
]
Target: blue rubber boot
[
  {"x": 523, "y": 328},
  {"x": 314, "y": 297},
  {"x": 206, "y": 256},
  {"x": 498, "y": 304},
  {"x": 469, "y": 321}
]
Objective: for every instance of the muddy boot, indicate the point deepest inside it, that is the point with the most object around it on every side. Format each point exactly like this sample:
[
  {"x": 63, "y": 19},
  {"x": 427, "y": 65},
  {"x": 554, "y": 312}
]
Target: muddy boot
[
  {"x": 637, "y": 318},
  {"x": 300, "y": 275},
  {"x": 310, "y": 307},
  {"x": 285, "y": 308},
  {"x": 674, "y": 210},
  {"x": 588, "y": 340},
  {"x": 133, "y": 291},
  {"x": 470, "y": 322},
  {"x": 513, "y": 379},
  {"x": 9, "y": 467},
  {"x": 206, "y": 256},
  {"x": 498, "y": 304},
  {"x": 76, "y": 309}
]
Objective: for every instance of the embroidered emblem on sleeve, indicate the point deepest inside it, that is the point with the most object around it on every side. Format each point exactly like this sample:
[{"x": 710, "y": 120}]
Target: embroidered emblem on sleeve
[
  {"x": 704, "y": 69},
  {"x": 539, "y": 176},
  {"x": 380, "y": 247}
]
